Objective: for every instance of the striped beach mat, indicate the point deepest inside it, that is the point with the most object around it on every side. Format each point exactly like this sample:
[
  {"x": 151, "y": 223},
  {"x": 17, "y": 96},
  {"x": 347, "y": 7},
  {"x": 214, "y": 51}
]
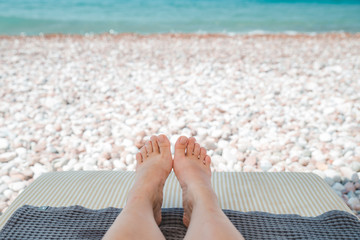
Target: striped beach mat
[
  {"x": 76, "y": 222},
  {"x": 305, "y": 194}
]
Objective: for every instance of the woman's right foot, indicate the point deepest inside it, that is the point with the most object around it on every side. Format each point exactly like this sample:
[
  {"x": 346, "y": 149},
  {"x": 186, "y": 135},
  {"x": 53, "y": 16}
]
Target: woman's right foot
[{"x": 192, "y": 169}]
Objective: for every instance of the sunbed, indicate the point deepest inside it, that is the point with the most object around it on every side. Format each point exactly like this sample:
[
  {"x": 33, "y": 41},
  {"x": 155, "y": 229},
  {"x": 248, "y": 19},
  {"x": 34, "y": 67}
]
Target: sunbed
[{"x": 304, "y": 194}]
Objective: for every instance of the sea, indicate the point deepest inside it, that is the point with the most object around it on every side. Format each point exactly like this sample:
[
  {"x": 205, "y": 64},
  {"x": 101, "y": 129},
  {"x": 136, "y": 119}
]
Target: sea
[{"x": 38, "y": 17}]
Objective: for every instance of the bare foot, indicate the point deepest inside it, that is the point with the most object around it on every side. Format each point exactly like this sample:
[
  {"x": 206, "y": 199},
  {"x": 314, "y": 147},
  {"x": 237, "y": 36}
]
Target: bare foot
[
  {"x": 192, "y": 168},
  {"x": 154, "y": 164}
]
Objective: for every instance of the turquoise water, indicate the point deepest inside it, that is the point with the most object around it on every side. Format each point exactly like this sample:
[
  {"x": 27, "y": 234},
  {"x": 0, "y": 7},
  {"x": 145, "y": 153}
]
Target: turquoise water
[{"x": 33, "y": 17}]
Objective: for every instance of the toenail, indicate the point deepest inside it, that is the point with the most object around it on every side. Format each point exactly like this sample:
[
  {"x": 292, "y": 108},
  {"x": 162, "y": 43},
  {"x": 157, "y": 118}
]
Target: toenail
[{"x": 183, "y": 140}]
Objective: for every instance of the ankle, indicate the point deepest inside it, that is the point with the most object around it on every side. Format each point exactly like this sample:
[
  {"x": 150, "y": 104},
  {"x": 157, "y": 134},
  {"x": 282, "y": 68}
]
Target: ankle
[
  {"x": 203, "y": 196},
  {"x": 138, "y": 200}
]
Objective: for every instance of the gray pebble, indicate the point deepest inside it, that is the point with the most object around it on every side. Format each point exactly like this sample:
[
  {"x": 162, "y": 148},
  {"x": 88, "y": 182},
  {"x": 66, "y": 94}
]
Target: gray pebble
[
  {"x": 338, "y": 187},
  {"x": 351, "y": 194},
  {"x": 329, "y": 181},
  {"x": 355, "y": 177}
]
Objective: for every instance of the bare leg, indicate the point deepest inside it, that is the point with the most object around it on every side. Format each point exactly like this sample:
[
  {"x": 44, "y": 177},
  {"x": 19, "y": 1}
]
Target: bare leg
[
  {"x": 202, "y": 213},
  {"x": 142, "y": 214}
]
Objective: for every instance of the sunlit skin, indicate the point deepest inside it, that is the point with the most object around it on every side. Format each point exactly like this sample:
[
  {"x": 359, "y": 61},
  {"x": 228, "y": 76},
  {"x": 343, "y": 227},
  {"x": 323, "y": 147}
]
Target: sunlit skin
[{"x": 202, "y": 213}]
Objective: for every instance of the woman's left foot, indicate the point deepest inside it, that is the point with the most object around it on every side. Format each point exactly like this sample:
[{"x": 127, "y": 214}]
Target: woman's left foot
[{"x": 154, "y": 164}]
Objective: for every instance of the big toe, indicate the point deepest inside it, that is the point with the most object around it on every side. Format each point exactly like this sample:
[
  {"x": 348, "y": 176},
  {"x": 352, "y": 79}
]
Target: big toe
[
  {"x": 180, "y": 147},
  {"x": 164, "y": 144}
]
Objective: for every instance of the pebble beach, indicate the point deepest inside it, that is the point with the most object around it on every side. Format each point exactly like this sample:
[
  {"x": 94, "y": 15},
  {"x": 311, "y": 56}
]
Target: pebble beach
[{"x": 257, "y": 103}]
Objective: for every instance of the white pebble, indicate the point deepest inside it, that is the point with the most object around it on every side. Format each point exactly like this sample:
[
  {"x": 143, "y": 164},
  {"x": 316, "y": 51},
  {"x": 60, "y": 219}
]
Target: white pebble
[
  {"x": 319, "y": 173},
  {"x": 217, "y": 133},
  {"x": 119, "y": 164},
  {"x": 21, "y": 152},
  {"x": 325, "y": 137},
  {"x": 129, "y": 159},
  {"x": 355, "y": 166},
  {"x": 338, "y": 163},
  {"x": 333, "y": 174},
  {"x": 8, "y": 156},
  {"x": 222, "y": 144},
  {"x": 202, "y": 132},
  {"x": 3, "y": 187},
  {"x": 17, "y": 186},
  {"x": 127, "y": 143},
  {"x": 265, "y": 165},
  {"x": 38, "y": 169},
  {"x": 230, "y": 155},
  {"x": 4, "y": 144},
  {"x": 216, "y": 160},
  {"x": 346, "y": 172},
  {"x": 7, "y": 193}
]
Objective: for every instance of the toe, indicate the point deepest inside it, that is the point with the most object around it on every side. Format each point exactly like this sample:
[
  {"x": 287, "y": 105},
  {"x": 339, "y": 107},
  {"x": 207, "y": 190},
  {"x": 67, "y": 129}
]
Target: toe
[
  {"x": 143, "y": 153},
  {"x": 207, "y": 161},
  {"x": 190, "y": 146},
  {"x": 202, "y": 154},
  {"x": 148, "y": 146},
  {"x": 180, "y": 146},
  {"x": 164, "y": 144},
  {"x": 138, "y": 158},
  {"x": 197, "y": 150},
  {"x": 154, "y": 142}
]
